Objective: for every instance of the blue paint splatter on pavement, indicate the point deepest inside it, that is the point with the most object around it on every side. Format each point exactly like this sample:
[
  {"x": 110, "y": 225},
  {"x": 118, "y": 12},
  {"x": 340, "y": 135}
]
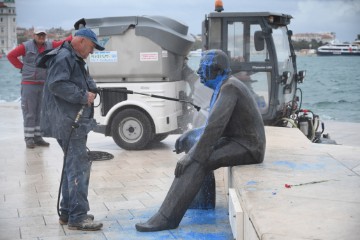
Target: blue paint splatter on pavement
[
  {"x": 251, "y": 183},
  {"x": 196, "y": 224},
  {"x": 300, "y": 166}
]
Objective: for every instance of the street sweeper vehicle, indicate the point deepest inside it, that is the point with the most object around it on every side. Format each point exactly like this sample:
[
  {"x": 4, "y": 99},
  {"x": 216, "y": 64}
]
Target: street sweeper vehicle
[
  {"x": 145, "y": 57},
  {"x": 147, "y": 90}
]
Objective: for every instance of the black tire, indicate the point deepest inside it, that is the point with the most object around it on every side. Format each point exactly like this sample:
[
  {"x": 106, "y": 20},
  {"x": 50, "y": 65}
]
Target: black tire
[
  {"x": 131, "y": 129},
  {"x": 160, "y": 137}
]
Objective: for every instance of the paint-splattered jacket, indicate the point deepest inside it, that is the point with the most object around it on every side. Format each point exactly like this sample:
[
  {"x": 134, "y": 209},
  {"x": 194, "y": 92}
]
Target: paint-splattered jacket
[{"x": 65, "y": 92}]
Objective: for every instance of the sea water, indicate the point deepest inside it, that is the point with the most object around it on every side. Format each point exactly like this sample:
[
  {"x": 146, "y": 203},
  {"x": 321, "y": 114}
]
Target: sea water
[
  {"x": 10, "y": 79},
  {"x": 331, "y": 88}
]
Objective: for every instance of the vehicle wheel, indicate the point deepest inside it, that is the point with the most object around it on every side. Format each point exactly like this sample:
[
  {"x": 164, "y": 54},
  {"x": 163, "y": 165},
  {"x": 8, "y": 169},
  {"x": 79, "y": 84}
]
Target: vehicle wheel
[
  {"x": 160, "y": 137},
  {"x": 131, "y": 129}
]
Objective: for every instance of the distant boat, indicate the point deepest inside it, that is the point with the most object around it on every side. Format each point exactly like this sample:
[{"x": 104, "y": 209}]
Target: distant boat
[
  {"x": 196, "y": 53},
  {"x": 339, "y": 49}
]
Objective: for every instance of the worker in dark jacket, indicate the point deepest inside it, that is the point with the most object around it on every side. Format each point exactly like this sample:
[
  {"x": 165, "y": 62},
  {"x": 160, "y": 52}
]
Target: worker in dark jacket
[
  {"x": 233, "y": 135},
  {"x": 32, "y": 83},
  {"x": 67, "y": 115}
]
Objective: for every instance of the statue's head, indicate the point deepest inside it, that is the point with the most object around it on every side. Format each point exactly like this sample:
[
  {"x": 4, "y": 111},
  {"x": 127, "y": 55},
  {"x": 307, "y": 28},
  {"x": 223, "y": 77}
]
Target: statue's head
[{"x": 214, "y": 66}]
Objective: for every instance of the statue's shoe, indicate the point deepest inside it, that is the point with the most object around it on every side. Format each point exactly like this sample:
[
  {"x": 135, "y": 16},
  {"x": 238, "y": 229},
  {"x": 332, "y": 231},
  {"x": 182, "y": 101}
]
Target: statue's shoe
[{"x": 156, "y": 223}]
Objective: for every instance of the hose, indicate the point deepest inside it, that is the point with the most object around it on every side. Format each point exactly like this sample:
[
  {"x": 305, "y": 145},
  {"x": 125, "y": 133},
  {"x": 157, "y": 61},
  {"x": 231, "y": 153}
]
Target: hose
[
  {"x": 100, "y": 90},
  {"x": 312, "y": 131},
  {"x": 291, "y": 121},
  {"x": 74, "y": 125}
]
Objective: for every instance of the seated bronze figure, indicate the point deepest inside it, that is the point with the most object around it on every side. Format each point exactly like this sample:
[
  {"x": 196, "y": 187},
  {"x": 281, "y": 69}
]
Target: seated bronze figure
[{"x": 233, "y": 135}]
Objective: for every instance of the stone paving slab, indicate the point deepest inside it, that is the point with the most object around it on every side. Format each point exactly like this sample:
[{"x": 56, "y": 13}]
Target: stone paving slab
[{"x": 323, "y": 201}]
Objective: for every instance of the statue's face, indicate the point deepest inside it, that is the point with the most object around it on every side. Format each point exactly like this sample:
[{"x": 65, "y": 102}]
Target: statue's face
[{"x": 208, "y": 69}]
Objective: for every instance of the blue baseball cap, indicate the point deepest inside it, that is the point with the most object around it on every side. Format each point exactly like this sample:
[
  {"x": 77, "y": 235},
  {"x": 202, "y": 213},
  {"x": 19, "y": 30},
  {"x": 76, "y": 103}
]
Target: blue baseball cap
[{"x": 87, "y": 33}]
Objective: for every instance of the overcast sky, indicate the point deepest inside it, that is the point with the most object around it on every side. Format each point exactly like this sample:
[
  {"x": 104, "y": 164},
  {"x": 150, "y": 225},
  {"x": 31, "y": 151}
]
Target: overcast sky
[{"x": 339, "y": 16}]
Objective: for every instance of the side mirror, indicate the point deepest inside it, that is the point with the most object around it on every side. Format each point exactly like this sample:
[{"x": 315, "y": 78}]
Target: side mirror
[
  {"x": 259, "y": 41},
  {"x": 285, "y": 78},
  {"x": 300, "y": 76}
]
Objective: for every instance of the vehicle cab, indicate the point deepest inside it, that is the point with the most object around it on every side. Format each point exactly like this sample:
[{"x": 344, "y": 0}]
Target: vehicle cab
[{"x": 259, "y": 47}]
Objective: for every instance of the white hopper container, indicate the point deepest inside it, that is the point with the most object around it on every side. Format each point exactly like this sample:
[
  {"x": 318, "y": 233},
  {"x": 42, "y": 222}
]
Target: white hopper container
[{"x": 139, "y": 49}]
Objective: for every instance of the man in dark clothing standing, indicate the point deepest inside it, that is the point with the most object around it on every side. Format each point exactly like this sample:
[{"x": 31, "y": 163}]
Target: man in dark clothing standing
[
  {"x": 67, "y": 115},
  {"x": 32, "y": 83},
  {"x": 233, "y": 135}
]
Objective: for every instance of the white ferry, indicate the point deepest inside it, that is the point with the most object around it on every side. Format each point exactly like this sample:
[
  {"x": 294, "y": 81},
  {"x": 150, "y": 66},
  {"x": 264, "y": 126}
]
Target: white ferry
[{"x": 346, "y": 49}]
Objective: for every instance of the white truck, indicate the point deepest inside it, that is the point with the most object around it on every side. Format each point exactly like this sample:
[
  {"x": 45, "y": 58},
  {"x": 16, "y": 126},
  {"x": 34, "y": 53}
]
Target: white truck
[{"x": 144, "y": 54}]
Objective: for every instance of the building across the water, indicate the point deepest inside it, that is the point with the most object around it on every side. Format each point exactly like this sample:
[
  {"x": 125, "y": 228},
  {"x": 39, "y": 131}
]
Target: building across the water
[
  {"x": 8, "y": 37},
  {"x": 323, "y": 37}
]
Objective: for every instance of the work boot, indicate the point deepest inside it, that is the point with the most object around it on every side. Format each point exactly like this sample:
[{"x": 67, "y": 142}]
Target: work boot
[
  {"x": 39, "y": 141},
  {"x": 30, "y": 143},
  {"x": 64, "y": 218},
  {"x": 85, "y": 225}
]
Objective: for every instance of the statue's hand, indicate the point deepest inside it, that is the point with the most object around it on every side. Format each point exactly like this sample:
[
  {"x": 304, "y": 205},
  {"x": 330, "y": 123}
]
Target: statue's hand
[
  {"x": 187, "y": 140},
  {"x": 181, "y": 165},
  {"x": 181, "y": 142}
]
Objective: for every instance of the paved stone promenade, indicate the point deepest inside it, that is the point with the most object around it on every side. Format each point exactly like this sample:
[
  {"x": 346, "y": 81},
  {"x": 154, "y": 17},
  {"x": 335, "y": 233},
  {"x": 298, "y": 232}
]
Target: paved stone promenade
[
  {"x": 324, "y": 202},
  {"x": 123, "y": 191}
]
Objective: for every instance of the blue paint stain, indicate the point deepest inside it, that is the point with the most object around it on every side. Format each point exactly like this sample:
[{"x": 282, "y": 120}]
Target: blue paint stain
[
  {"x": 251, "y": 183},
  {"x": 196, "y": 224},
  {"x": 299, "y": 166},
  {"x": 207, "y": 236}
]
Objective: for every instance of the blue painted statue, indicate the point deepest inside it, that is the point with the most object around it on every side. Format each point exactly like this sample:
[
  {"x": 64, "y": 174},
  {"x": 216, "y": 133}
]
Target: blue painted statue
[{"x": 233, "y": 135}]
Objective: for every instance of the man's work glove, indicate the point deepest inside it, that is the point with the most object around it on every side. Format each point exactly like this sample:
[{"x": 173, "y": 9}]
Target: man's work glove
[{"x": 80, "y": 24}]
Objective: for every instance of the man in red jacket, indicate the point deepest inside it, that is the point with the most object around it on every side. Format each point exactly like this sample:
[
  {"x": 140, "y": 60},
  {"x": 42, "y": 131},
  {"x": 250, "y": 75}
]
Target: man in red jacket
[{"x": 32, "y": 83}]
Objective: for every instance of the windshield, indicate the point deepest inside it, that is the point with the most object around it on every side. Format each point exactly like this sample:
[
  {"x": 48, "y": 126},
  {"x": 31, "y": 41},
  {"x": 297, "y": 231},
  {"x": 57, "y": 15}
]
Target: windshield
[
  {"x": 247, "y": 64},
  {"x": 285, "y": 62},
  {"x": 282, "y": 48}
]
